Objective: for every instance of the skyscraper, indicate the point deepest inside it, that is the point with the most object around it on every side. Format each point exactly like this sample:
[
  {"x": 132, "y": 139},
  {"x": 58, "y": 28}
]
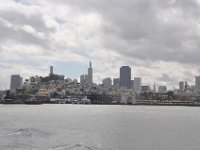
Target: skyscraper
[
  {"x": 125, "y": 77},
  {"x": 90, "y": 74},
  {"x": 154, "y": 88},
  {"x": 15, "y": 82},
  {"x": 197, "y": 83},
  {"x": 181, "y": 87},
  {"x": 116, "y": 82},
  {"x": 137, "y": 85}
]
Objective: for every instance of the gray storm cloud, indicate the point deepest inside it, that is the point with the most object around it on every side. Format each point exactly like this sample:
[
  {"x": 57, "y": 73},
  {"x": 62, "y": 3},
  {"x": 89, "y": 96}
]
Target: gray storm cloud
[
  {"x": 164, "y": 35},
  {"x": 155, "y": 30}
]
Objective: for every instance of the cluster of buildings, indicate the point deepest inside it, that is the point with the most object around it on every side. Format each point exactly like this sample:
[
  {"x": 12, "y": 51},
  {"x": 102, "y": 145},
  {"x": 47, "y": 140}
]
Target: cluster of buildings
[{"x": 112, "y": 90}]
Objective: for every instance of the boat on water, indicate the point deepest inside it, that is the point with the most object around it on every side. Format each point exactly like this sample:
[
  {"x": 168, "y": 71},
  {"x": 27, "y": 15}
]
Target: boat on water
[
  {"x": 75, "y": 101},
  {"x": 33, "y": 101},
  {"x": 7, "y": 101},
  {"x": 85, "y": 101},
  {"x": 58, "y": 100}
]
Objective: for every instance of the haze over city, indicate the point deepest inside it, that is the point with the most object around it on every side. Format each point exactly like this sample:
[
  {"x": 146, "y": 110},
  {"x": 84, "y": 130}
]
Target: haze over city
[{"x": 159, "y": 40}]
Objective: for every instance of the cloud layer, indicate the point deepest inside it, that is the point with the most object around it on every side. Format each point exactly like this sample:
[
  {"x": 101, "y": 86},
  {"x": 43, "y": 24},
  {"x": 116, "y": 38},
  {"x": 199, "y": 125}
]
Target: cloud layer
[{"x": 158, "y": 39}]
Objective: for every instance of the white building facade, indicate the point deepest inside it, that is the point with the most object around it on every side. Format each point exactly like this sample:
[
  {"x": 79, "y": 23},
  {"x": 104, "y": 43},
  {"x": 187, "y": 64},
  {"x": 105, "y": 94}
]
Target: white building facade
[{"x": 137, "y": 85}]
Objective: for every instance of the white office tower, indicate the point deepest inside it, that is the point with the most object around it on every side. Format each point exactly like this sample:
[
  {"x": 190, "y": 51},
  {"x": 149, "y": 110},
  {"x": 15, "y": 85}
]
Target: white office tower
[
  {"x": 90, "y": 74},
  {"x": 137, "y": 85},
  {"x": 107, "y": 82},
  {"x": 197, "y": 83},
  {"x": 16, "y": 82}
]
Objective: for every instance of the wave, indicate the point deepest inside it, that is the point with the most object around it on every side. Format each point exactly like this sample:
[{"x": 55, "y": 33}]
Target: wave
[
  {"x": 27, "y": 132},
  {"x": 72, "y": 147}
]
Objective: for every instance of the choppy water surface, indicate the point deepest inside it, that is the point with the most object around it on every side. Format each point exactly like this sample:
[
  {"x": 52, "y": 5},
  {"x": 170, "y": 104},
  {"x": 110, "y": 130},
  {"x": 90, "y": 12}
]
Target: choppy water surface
[{"x": 90, "y": 127}]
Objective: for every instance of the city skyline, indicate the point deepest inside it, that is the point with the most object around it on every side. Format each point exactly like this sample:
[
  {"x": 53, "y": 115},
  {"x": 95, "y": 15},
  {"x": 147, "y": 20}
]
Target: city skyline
[
  {"x": 89, "y": 70},
  {"x": 125, "y": 80},
  {"x": 160, "y": 44}
]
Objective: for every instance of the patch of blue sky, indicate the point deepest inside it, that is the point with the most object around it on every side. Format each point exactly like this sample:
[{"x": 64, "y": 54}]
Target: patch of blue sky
[
  {"x": 70, "y": 69},
  {"x": 33, "y": 63},
  {"x": 59, "y": 21},
  {"x": 83, "y": 53},
  {"x": 24, "y": 2},
  {"x": 4, "y": 66}
]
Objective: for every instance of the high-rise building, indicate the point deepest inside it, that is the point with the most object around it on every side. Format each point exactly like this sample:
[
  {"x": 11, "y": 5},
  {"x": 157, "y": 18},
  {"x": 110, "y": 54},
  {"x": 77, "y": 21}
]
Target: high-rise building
[
  {"x": 116, "y": 82},
  {"x": 90, "y": 74},
  {"x": 107, "y": 82},
  {"x": 197, "y": 83},
  {"x": 186, "y": 85},
  {"x": 137, "y": 85},
  {"x": 125, "y": 77},
  {"x": 181, "y": 87},
  {"x": 16, "y": 82},
  {"x": 154, "y": 88}
]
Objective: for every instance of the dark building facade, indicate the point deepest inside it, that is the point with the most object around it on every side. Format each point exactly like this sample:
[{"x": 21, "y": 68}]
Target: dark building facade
[
  {"x": 125, "y": 77},
  {"x": 16, "y": 82}
]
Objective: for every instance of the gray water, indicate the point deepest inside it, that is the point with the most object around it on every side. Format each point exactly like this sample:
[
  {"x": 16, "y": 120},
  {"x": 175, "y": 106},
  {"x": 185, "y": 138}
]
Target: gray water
[{"x": 90, "y": 127}]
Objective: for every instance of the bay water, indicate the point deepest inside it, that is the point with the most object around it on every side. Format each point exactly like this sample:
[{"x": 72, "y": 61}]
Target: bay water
[{"x": 99, "y": 127}]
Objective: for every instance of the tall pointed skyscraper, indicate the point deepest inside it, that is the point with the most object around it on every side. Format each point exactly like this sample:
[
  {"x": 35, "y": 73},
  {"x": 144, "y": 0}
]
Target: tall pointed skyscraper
[
  {"x": 90, "y": 74},
  {"x": 154, "y": 88}
]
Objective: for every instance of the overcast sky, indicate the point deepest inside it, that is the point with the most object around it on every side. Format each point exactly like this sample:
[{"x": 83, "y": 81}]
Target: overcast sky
[{"x": 159, "y": 39}]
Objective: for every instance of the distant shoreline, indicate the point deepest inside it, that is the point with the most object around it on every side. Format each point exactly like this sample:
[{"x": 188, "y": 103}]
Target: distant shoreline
[{"x": 192, "y": 105}]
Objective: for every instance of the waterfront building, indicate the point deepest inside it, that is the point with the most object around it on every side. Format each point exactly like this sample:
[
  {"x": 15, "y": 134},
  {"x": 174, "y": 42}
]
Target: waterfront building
[
  {"x": 90, "y": 74},
  {"x": 107, "y": 82},
  {"x": 125, "y": 77},
  {"x": 16, "y": 82},
  {"x": 128, "y": 98},
  {"x": 43, "y": 92},
  {"x": 162, "y": 89},
  {"x": 137, "y": 84}
]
